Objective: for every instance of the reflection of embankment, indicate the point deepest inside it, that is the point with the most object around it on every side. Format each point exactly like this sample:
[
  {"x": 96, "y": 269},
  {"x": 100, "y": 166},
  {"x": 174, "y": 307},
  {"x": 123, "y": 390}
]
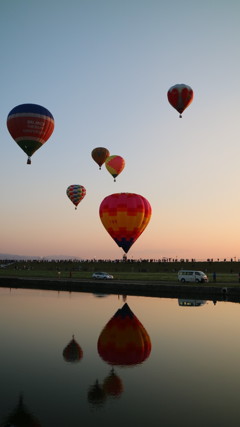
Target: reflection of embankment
[{"x": 121, "y": 287}]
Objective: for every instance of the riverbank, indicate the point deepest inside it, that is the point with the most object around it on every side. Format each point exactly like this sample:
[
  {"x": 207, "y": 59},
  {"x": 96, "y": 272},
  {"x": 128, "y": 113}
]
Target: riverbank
[{"x": 218, "y": 292}]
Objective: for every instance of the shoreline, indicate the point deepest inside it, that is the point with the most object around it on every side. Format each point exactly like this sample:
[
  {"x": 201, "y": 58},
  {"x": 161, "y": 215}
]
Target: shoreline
[{"x": 123, "y": 287}]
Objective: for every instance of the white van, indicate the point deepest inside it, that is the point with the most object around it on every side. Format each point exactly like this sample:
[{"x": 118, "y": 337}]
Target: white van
[{"x": 192, "y": 276}]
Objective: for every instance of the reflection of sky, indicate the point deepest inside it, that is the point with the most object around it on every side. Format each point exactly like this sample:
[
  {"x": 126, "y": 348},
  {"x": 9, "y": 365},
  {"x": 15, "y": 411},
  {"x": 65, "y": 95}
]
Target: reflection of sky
[{"x": 194, "y": 358}]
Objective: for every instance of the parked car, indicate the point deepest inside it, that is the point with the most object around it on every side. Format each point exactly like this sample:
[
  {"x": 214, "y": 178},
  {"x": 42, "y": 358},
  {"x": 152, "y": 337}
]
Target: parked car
[
  {"x": 101, "y": 275},
  {"x": 192, "y": 276}
]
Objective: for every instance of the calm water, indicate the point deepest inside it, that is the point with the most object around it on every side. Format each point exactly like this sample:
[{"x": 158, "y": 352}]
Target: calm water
[{"x": 179, "y": 363}]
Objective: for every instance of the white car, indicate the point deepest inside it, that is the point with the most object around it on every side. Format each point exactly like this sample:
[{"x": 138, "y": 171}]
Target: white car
[{"x": 102, "y": 275}]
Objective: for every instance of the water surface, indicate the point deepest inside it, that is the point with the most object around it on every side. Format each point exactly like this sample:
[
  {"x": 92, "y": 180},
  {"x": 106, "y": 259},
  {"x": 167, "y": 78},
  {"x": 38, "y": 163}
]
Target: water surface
[{"x": 186, "y": 371}]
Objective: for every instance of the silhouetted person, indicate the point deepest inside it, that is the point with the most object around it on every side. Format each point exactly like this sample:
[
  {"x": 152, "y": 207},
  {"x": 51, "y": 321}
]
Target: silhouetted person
[{"x": 214, "y": 276}]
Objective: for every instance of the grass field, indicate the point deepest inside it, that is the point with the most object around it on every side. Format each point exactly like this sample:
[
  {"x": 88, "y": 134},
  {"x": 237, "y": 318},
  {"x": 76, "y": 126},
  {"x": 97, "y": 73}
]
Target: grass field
[{"x": 227, "y": 272}]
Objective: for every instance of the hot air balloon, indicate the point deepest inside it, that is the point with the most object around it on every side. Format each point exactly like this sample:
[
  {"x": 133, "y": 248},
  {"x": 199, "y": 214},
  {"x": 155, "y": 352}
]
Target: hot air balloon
[
  {"x": 125, "y": 216},
  {"x": 30, "y": 125},
  {"x": 99, "y": 155},
  {"x": 76, "y": 193},
  {"x": 115, "y": 165},
  {"x": 72, "y": 352},
  {"x": 124, "y": 340},
  {"x": 180, "y": 97}
]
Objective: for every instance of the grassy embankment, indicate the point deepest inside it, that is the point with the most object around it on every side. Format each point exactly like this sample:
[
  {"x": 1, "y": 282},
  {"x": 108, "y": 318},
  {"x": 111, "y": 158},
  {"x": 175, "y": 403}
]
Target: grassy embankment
[{"x": 227, "y": 272}]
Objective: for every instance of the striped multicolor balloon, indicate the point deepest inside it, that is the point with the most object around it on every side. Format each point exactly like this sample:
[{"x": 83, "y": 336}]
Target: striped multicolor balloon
[
  {"x": 180, "y": 97},
  {"x": 115, "y": 165},
  {"x": 76, "y": 193},
  {"x": 30, "y": 125},
  {"x": 125, "y": 216}
]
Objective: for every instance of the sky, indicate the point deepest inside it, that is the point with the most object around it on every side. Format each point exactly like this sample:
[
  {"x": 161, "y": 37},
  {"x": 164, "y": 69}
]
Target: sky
[{"x": 103, "y": 69}]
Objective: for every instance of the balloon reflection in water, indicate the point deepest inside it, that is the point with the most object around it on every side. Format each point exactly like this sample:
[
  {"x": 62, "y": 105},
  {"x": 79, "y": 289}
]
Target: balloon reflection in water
[
  {"x": 124, "y": 340},
  {"x": 72, "y": 352},
  {"x": 21, "y": 417},
  {"x": 113, "y": 385},
  {"x": 96, "y": 394}
]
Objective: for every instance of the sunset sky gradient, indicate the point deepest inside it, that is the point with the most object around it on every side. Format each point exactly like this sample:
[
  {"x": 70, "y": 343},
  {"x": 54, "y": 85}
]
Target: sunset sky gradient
[{"x": 103, "y": 69}]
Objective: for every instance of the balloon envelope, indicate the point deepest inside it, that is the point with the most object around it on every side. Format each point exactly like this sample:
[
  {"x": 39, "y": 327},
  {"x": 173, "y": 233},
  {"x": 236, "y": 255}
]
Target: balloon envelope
[
  {"x": 180, "y": 97},
  {"x": 124, "y": 340},
  {"x": 76, "y": 193},
  {"x": 30, "y": 125},
  {"x": 115, "y": 164},
  {"x": 125, "y": 216},
  {"x": 99, "y": 155}
]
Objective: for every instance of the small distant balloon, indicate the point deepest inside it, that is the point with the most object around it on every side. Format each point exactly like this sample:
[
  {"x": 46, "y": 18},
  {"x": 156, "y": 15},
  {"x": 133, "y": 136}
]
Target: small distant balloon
[
  {"x": 76, "y": 193},
  {"x": 180, "y": 97},
  {"x": 125, "y": 216},
  {"x": 99, "y": 155},
  {"x": 115, "y": 165},
  {"x": 30, "y": 125}
]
